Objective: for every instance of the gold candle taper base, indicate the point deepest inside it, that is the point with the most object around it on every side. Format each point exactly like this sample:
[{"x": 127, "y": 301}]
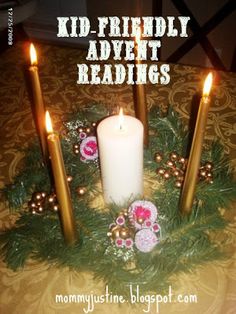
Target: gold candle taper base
[
  {"x": 62, "y": 189},
  {"x": 191, "y": 175},
  {"x": 190, "y": 181},
  {"x": 39, "y": 111}
]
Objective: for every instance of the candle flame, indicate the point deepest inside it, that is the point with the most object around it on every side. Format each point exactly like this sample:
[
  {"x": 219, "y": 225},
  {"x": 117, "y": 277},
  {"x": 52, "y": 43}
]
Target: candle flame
[
  {"x": 138, "y": 34},
  {"x": 121, "y": 119},
  {"x": 33, "y": 55},
  {"x": 207, "y": 84},
  {"x": 48, "y": 123}
]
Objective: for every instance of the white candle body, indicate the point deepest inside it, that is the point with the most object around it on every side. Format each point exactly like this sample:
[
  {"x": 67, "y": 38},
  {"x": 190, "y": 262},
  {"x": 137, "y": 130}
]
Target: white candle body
[{"x": 121, "y": 158}]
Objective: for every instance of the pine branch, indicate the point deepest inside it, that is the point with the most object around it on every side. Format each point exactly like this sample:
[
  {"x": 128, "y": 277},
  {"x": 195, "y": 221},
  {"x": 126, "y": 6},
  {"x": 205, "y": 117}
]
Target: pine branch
[{"x": 186, "y": 242}]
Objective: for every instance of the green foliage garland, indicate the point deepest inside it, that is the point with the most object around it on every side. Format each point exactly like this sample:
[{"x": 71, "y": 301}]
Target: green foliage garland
[{"x": 186, "y": 241}]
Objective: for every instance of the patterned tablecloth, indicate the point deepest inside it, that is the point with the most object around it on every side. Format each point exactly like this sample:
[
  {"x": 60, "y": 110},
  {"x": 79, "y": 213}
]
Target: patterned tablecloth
[{"x": 33, "y": 289}]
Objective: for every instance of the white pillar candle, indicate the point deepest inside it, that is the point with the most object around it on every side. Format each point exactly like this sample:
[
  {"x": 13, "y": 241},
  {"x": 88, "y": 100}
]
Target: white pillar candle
[{"x": 120, "y": 141}]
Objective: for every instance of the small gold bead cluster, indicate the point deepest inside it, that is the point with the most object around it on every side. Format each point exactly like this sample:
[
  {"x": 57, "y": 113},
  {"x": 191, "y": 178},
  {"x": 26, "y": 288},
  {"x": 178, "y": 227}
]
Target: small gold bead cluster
[
  {"x": 121, "y": 229},
  {"x": 175, "y": 167},
  {"x": 83, "y": 133},
  {"x": 206, "y": 172},
  {"x": 40, "y": 201},
  {"x": 76, "y": 149}
]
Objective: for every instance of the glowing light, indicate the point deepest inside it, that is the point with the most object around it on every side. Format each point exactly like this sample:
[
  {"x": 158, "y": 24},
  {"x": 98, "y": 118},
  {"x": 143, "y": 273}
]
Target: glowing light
[
  {"x": 33, "y": 55},
  {"x": 207, "y": 84},
  {"x": 48, "y": 123}
]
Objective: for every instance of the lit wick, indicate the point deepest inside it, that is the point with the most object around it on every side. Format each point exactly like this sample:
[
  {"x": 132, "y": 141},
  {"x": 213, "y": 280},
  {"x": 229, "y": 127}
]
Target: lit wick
[
  {"x": 121, "y": 119},
  {"x": 38, "y": 108}
]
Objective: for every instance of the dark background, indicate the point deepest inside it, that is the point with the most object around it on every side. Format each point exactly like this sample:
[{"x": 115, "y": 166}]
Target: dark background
[{"x": 214, "y": 48}]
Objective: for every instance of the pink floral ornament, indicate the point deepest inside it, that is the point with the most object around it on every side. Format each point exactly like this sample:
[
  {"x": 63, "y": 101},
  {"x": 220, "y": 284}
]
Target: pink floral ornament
[
  {"x": 82, "y": 159},
  {"x": 120, "y": 220},
  {"x": 89, "y": 149},
  {"x": 143, "y": 210},
  {"x": 120, "y": 242},
  {"x": 145, "y": 240},
  {"x": 148, "y": 223},
  {"x": 129, "y": 243},
  {"x": 156, "y": 227},
  {"x": 142, "y": 219},
  {"x": 82, "y": 135}
]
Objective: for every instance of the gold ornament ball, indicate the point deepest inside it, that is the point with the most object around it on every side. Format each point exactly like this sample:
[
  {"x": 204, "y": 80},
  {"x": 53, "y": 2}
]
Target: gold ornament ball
[
  {"x": 80, "y": 129},
  {"x": 170, "y": 163},
  {"x": 182, "y": 160},
  {"x": 209, "y": 175},
  {"x": 158, "y": 157},
  {"x": 124, "y": 233},
  {"x": 31, "y": 204},
  {"x": 76, "y": 149},
  {"x": 166, "y": 175},
  {"x": 81, "y": 190},
  {"x": 40, "y": 209},
  {"x": 178, "y": 184},
  {"x": 125, "y": 212},
  {"x": 55, "y": 208},
  {"x": 176, "y": 173},
  {"x": 173, "y": 156},
  {"x": 69, "y": 178},
  {"x": 88, "y": 130},
  {"x": 180, "y": 178},
  {"x": 37, "y": 196},
  {"x": 209, "y": 166},
  {"x": 140, "y": 220},
  {"x": 44, "y": 194},
  {"x": 51, "y": 198},
  {"x": 115, "y": 232},
  {"x": 160, "y": 171},
  {"x": 203, "y": 173}
]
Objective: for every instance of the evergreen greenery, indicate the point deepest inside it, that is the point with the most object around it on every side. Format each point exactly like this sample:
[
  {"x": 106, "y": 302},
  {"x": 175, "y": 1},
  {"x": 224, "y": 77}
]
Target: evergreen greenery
[{"x": 187, "y": 241}]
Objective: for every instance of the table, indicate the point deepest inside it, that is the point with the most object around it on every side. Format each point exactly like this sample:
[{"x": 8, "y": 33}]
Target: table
[{"x": 33, "y": 289}]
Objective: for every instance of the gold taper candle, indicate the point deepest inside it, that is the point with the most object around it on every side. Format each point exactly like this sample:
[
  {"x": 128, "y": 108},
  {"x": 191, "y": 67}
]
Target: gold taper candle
[
  {"x": 140, "y": 105},
  {"x": 61, "y": 184},
  {"x": 189, "y": 186},
  {"x": 38, "y": 108}
]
